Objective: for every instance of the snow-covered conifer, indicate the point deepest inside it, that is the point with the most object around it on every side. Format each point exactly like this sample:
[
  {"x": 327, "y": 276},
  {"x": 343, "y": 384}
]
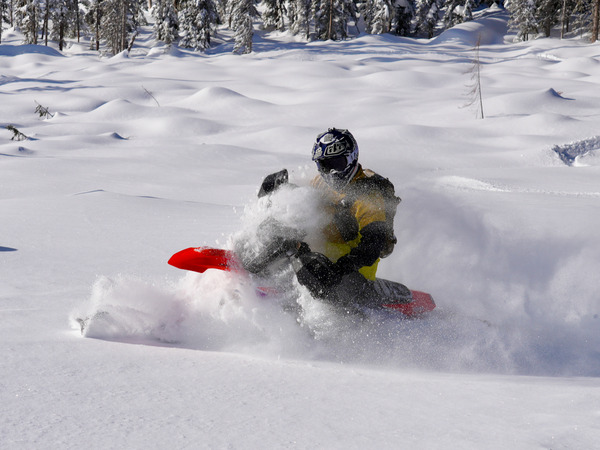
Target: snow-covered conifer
[
  {"x": 298, "y": 13},
  {"x": 457, "y": 11},
  {"x": 378, "y": 16},
  {"x": 274, "y": 14},
  {"x": 548, "y": 14},
  {"x": 166, "y": 23},
  {"x": 4, "y": 15},
  {"x": 522, "y": 18},
  {"x": 63, "y": 16},
  {"x": 427, "y": 16},
  {"x": 243, "y": 14},
  {"x": 28, "y": 18},
  {"x": 119, "y": 22},
  {"x": 93, "y": 19},
  {"x": 197, "y": 19},
  {"x": 404, "y": 12},
  {"x": 224, "y": 8},
  {"x": 331, "y": 18}
]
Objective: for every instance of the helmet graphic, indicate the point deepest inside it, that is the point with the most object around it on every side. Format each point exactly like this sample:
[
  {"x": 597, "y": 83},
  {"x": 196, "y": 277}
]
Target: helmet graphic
[{"x": 336, "y": 155}]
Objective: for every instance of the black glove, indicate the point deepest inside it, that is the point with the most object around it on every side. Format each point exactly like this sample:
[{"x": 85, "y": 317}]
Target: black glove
[
  {"x": 272, "y": 182},
  {"x": 317, "y": 273}
]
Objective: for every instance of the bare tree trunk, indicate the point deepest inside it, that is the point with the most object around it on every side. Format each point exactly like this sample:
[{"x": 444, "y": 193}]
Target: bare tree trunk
[
  {"x": 123, "y": 26},
  {"x": 78, "y": 19},
  {"x": 476, "y": 97},
  {"x": 330, "y": 28},
  {"x": 46, "y": 18},
  {"x": 97, "y": 27},
  {"x": 61, "y": 35},
  {"x": 563, "y": 19},
  {"x": 35, "y": 24},
  {"x": 596, "y": 21}
]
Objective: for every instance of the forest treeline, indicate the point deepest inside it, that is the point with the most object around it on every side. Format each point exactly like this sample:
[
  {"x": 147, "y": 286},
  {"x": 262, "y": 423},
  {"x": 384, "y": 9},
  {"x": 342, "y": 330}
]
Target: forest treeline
[{"x": 192, "y": 23}]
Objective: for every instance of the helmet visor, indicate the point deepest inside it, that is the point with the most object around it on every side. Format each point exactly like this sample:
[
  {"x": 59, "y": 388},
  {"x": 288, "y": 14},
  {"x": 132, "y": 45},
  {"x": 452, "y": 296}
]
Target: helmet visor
[{"x": 335, "y": 164}]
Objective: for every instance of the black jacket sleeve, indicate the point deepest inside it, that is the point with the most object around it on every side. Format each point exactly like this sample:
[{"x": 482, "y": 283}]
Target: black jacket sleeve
[{"x": 366, "y": 252}]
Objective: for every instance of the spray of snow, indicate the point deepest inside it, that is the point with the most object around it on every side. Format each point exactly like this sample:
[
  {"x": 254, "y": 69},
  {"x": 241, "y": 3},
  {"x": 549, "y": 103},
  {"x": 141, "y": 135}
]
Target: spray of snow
[{"x": 494, "y": 326}]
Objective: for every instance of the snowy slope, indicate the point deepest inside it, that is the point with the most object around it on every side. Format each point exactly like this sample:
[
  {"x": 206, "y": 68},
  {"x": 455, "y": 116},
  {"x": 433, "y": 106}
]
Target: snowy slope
[{"x": 159, "y": 150}]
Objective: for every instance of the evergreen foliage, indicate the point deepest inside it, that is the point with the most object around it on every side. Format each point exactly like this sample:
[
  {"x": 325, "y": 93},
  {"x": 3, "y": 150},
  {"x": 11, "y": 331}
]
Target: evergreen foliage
[
  {"x": 243, "y": 13},
  {"x": 93, "y": 19},
  {"x": 114, "y": 23},
  {"x": 63, "y": 16},
  {"x": 119, "y": 22},
  {"x": 457, "y": 11},
  {"x": 331, "y": 18},
  {"x": 427, "y": 16},
  {"x": 299, "y": 13},
  {"x": 274, "y": 14},
  {"x": 4, "y": 15},
  {"x": 197, "y": 19},
  {"x": 548, "y": 14},
  {"x": 378, "y": 16},
  {"x": 166, "y": 23},
  {"x": 523, "y": 18},
  {"x": 27, "y": 19},
  {"x": 403, "y": 16}
]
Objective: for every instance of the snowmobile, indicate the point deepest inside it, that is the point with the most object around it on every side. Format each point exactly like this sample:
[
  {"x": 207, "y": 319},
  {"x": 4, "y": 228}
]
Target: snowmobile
[
  {"x": 282, "y": 242},
  {"x": 384, "y": 294}
]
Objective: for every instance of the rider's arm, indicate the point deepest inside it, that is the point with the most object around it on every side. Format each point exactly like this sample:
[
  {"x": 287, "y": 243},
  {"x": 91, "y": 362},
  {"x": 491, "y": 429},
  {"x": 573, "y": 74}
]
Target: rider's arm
[
  {"x": 366, "y": 252},
  {"x": 369, "y": 211}
]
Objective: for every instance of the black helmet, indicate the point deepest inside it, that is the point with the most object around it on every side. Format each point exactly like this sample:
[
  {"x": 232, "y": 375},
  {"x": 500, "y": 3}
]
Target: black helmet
[{"x": 336, "y": 155}]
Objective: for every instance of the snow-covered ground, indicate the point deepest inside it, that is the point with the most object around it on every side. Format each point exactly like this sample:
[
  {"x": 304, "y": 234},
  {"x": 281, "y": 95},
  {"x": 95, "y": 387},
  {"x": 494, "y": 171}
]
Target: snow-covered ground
[{"x": 156, "y": 151}]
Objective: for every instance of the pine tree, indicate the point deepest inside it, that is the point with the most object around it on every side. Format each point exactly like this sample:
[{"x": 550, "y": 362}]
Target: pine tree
[
  {"x": 427, "y": 16},
  {"x": 566, "y": 11},
  {"x": 299, "y": 13},
  {"x": 166, "y": 23},
  {"x": 94, "y": 19},
  {"x": 331, "y": 18},
  {"x": 63, "y": 16},
  {"x": 378, "y": 16},
  {"x": 522, "y": 18},
  {"x": 548, "y": 14},
  {"x": 119, "y": 22},
  {"x": 581, "y": 14},
  {"x": 274, "y": 14},
  {"x": 28, "y": 19},
  {"x": 4, "y": 15},
  {"x": 197, "y": 19},
  {"x": 224, "y": 8},
  {"x": 457, "y": 11},
  {"x": 403, "y": 16},
  {"x": 77, "y": 25},
  {"x": 113, "y": 22},
  {"x": 243, "y": 13}
]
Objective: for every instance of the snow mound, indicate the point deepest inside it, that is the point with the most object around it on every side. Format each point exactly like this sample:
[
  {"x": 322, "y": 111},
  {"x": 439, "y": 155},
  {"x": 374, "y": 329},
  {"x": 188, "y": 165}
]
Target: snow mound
[
  {"x": 488, "y": 30},
  {"x": 221, "y": 99},
  {"x": 15, "y": 50},
  {"x": 583, "y": 66},
  {"x": 531, "y": 102}
]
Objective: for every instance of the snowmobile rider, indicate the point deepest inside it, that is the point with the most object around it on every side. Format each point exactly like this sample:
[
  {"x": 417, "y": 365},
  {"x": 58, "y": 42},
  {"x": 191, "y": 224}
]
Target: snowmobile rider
[
  {"x": 357, "y": 234},
  {"x": 360, "y": 206}
]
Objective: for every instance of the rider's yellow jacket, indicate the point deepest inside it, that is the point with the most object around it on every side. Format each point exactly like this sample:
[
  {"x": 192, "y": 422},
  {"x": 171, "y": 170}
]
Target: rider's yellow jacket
[{"x": 355, "y": 232}]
